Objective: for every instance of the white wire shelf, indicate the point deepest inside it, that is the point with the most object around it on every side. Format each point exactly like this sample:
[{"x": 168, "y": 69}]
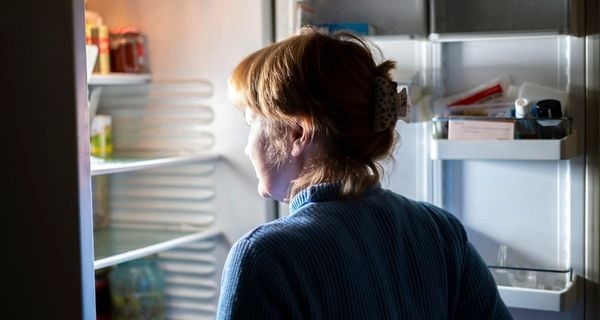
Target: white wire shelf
[{"x": 112, "y": 165}]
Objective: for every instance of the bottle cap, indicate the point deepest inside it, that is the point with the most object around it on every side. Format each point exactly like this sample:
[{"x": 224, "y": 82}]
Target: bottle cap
[
  {"x": 549, "y": 109},
  {"x": 522, "y": 108}
]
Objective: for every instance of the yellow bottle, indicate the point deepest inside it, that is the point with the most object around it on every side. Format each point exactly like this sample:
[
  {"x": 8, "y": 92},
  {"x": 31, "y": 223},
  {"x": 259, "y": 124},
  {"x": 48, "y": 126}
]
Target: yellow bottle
[{"x": 103, "y": 49}]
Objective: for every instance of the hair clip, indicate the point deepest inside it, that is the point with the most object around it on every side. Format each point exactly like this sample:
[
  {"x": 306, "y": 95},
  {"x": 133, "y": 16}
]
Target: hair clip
[{"x": 390, "y": 105}]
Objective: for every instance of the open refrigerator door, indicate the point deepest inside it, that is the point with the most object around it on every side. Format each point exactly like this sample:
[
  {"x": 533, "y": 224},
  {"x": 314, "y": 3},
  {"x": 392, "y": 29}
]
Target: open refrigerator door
[{"x": 517, "y": 182}]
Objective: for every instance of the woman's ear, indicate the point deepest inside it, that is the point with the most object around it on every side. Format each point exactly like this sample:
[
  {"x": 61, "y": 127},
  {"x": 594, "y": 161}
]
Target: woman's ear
[{"x": 300, "y": 138}]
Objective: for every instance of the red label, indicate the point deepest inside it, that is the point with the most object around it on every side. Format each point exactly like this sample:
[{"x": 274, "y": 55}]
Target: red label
[
  {"x": 480, "y": 96},
  {"x": 103, "y": 45}
]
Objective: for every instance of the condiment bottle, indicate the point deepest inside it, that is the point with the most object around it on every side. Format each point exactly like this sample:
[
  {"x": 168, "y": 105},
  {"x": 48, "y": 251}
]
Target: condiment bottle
[{"x": 526, "y": 126}]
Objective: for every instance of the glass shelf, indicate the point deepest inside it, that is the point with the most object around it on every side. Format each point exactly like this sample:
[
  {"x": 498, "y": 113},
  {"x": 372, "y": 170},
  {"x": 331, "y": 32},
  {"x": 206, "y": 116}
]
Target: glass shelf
[
  {"x": 111, "y": 165},
  {"x": 119, "y": 79},
  {"x": 489, "y": 36},
  {"x": 117, "y": 245},
  {"x": 499, "y": 16}
]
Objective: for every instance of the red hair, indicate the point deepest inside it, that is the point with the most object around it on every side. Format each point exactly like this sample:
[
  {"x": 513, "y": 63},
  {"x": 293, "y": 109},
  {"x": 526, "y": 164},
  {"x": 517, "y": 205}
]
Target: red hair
[{"x": 327, "y": 83}]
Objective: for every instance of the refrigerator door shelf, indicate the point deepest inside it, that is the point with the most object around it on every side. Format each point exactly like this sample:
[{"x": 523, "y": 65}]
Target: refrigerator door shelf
[
  {"x": 537, "y": 299},
  {"x": 112, "y": 165},
  {"x": 534, "y": 149}
]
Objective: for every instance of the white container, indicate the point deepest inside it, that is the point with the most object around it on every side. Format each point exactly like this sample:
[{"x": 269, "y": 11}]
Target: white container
[
  {"x": 522, "y": 108},
  {"x": 91, "y": 54},
  {"x": 535, "y": 92}
]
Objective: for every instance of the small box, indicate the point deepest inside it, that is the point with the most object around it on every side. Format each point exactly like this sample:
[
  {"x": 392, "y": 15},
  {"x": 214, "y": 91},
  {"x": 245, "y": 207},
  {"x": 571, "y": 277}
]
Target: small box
[
  {"x": 481, "y": 130},
  {"x": 363, "y": 29}
]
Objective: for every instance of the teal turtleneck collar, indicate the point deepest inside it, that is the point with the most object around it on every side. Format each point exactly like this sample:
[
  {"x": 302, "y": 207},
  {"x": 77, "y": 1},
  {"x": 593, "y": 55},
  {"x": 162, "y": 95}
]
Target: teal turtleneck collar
[{"x": 324, "y": 192}]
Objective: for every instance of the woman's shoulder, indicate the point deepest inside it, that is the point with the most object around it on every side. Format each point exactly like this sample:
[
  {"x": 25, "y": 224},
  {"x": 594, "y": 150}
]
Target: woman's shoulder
[
  {"x": 273, "y": 235},
  {"x": 428, "y": 213}
]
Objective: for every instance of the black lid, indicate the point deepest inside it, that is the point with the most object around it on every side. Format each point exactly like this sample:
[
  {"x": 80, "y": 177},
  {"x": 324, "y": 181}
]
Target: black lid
[{"x": 549, "y": 109}]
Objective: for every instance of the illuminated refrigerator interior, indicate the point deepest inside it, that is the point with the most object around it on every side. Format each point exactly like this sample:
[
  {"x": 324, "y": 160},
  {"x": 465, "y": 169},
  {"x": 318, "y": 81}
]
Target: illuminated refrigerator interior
[
  {"x": 524, "y": 202},
  {"x": 179, "y": 186}
]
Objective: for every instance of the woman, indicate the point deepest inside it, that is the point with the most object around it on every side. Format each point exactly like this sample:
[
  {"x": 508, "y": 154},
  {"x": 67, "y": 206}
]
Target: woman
[{"x": 321, "y": 114}]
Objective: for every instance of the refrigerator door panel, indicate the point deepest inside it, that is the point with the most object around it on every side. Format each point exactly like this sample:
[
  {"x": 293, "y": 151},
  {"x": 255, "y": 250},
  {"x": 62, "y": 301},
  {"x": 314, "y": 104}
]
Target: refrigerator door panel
[
  {"x": 533, "y": 207},
  {"x": 524, "y": 202},
  {"x": 48, "y": 248}
]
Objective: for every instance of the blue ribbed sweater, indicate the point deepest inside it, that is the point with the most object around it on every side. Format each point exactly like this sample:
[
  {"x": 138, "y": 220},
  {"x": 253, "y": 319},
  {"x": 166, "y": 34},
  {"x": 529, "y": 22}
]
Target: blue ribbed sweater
[{"x": 378, "y": 256}]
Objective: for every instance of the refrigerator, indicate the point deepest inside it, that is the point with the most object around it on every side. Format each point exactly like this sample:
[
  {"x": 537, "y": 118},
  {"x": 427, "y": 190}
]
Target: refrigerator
[{"x": 180, "y": 187}]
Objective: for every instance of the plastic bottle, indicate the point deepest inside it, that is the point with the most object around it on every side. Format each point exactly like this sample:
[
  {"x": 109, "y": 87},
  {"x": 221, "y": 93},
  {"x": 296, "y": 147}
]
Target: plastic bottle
[
  {"x": 501, "y": 275},
  {"x": 103, "y": 65},
  {"x": 138, "y": 290},
  {"x": 534, "y": 92},
  {"x": 512, "y": 277},
  {"x": 526, "y": 126},
  {"x": 96, "y": 33},
  {"x": 101, "y": 136}
]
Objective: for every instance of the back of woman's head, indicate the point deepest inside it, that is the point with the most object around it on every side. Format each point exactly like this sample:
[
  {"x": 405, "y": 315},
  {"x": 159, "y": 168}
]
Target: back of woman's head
[{"x": 328, "y": 82}]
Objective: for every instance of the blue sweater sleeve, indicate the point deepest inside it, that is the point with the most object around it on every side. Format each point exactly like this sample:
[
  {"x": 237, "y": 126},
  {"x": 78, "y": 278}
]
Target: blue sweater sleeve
[{"x": 254, "y": 286}]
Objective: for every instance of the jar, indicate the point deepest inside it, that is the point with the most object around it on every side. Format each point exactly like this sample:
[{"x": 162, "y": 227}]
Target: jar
[
  {"x": 102, "y": 295},
  {"x": 127, "y": 50},
  {"x": 137, "y": 290}
]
